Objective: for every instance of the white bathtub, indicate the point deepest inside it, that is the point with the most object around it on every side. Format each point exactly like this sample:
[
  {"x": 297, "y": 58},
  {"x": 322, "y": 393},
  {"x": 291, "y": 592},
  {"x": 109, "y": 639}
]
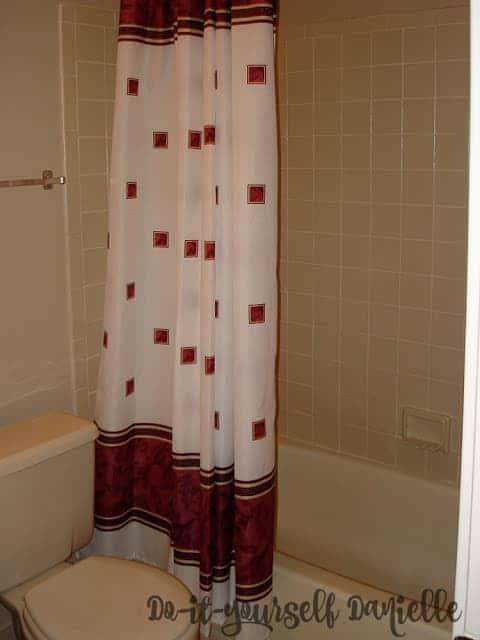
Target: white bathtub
[
  {"x": 344, "y": 517},
  {"x": 297, "y": 581}
]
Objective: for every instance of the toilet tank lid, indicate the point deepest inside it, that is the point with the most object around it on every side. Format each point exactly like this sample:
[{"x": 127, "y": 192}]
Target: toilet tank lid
[{"x": 32, "y": 441}]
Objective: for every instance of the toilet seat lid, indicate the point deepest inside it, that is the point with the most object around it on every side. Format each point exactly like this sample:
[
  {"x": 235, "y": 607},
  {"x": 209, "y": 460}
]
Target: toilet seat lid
[{"x": 106, "y": 598}]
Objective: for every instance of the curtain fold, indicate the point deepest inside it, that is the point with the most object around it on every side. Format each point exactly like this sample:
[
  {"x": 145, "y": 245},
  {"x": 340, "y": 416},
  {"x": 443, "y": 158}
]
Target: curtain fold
[{"x": 185, "y": 467}]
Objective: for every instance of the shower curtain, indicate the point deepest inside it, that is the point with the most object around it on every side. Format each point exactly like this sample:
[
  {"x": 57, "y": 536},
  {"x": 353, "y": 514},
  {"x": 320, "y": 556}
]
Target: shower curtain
[{"x": 185, "y": 463}]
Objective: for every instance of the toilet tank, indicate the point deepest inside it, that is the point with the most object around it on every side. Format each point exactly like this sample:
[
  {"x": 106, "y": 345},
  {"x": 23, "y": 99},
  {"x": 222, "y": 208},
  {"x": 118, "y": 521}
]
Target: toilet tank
[{"x": 46, "y": 493}]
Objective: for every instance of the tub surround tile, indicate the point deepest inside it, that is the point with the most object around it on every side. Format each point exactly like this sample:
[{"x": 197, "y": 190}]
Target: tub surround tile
[{"x": 374, "y": 158}]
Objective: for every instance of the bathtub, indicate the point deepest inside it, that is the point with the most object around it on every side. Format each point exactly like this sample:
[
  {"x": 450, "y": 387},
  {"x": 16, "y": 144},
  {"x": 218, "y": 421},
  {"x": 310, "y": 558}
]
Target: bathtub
[{"x": 340, "y": 516}]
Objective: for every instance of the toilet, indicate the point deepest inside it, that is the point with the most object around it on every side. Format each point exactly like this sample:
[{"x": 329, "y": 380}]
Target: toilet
[{"x": 46, "y": 514}]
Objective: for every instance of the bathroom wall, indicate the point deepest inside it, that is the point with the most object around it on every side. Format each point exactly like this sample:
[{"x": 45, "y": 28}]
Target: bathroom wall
[
  {"x": 89, "y": 55},
  {"x": 34, "y": 362},
  {"x": 373, "y": 124}
]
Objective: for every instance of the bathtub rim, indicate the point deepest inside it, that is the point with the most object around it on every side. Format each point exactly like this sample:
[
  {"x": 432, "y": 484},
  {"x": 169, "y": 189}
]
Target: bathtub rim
[{"x": 342, "y": 586}]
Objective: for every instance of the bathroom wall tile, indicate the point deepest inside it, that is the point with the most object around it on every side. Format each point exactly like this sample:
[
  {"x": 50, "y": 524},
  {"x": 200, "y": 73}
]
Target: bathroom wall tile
[
  {"x": 300, "y": 338},
  {"x": 386, "y": 220},
  {"x": 413, "y": 391},
  {"x": 93, "y": 364},
  {"x": 93, "y": 193},
  {"x": 94, "y": 263},
  {"x": 418, "y": 187},
  {"x": 70, "y": 102},
  {"x": 80, "y": 374},
  {"x": 75, "y": 254},
  {"x": 68, "y": 49},
  {"x": 451, "y": 188},
  {"x": 452, "y": 42},
  {"x": 90, "y": 43},
  {"x": 91, "y": 80},
  {"x": 387, "y": 47},
  {"x": 356, "y": 152},
  {"x": 356, "y": 185},
  {"x": 417, "y": 222},
  {"x": 300, "y": 427},
  {"x": 411, "y": 459},
  {"x": 110, "y": 46},
  {"x": 327, "y": 48},
  {"x": 450, "y": 224},
  {"x": 81, "y": 403},
  {"x": 326, "y": 311},
  {"x": 375, "y": 269},
  {"x": 448, "y": 330},
  {"x": 325, "y": 432},
  {"x": 94, "y": 297},
  {"x": 382, "y": 448},
  {"x": 300, "y": 152},
  {"x": 386, "y": 186},
  {"x": 300, "y": 120},
  {"x": 88, "y": 14},
  {"x": 91, "y": 118},
  {"x": 354, "y": 316},
  {"x": 356, "y": 49},
  {"x": 418, "y": 152},
  {"x": 356, "y": 117},
  {"x": 384, "y": 323},
  {"x": 452, "y": 115},
  {"x": 446, "y": 364},
  {"x": 384, "y": 287},
  {"x": 355, "y": 251},
  {"x": 327, "y": 117},
  {"x": 300, "y": 398},
  {"x": 387, "y": 82},
  {"x": 446, "y": 398},
  {"x": 415, "y": 291},
  {"x": 443, "y": 467},
  {"x": 387, "y": 152},
  {"x": 327, "y": 151},
  {"x": 414, "y": 324},
  {"x": 419, "y": 44},
  {"x": 418, "y": 116},
  {"x": 356, "y": 218},
  {"x": 94, "y": 338},
  {"x": 300, "y": 55},
  {"x": 356, "y": 84},
  {"x": 449, "y": 259},
  {"x": 387, "y": 116},
  {"x": 326, "y": 249},
  {"x": 326, "y": 280},
  {"x": 327, "y": 85},
  {"x": 92, "y": 155},
  {"x": 448, "y": 294},
  {"x": 386, "y": 254},
  {"x": 417, "y": 256},
  {"x": 353, "y": 440},
  {"x": 419, "y": 80},
  {"x": 452, "y": 79}
]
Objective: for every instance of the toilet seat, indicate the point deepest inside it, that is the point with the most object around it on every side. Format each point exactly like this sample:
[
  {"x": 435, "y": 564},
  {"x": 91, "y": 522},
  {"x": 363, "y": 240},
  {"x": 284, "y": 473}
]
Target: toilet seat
[{"x": 104, "y": 598}]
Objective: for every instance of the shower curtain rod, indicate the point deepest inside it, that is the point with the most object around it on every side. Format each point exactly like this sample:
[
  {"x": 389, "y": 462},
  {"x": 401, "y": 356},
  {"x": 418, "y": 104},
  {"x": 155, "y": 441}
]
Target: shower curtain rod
[{"x": 46, "y": 181}]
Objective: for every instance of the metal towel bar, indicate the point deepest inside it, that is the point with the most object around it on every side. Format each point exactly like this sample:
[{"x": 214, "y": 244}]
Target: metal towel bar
[{"x": 46, "y": 181}]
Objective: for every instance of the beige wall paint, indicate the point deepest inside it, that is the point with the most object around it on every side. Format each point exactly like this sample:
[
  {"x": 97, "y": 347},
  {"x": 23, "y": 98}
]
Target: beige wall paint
[
  {"x": 34, "y": 355},
  {"x": 34, "y": 318}
]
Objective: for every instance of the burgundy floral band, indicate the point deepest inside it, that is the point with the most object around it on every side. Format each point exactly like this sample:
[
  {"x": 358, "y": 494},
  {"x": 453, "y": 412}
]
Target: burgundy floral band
[
  {"x": 140, "y": 479},
  {"x": 160, "y": 22}
]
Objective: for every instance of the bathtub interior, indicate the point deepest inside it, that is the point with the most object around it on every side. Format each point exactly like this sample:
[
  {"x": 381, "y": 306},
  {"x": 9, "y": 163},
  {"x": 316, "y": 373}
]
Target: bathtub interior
[{"x": 368, "y": 523}]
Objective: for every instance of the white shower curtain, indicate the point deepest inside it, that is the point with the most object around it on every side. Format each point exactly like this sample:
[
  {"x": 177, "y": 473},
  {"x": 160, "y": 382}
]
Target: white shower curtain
[{"x": 186, "y": 392}]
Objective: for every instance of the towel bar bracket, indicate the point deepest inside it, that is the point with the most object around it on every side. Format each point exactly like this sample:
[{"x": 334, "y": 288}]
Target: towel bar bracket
[{"x": 47, "y": 181}]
